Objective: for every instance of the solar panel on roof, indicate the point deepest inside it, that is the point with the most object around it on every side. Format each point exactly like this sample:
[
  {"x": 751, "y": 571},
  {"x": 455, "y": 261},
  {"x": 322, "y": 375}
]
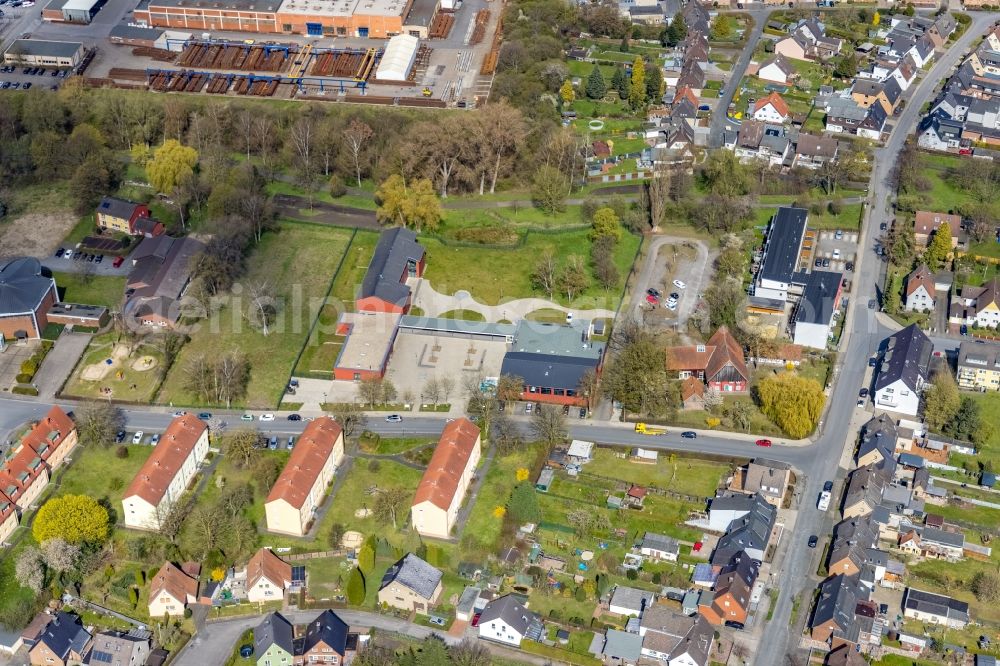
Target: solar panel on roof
[
  {"x": 298, "y": 574},
  {"x": 102, "y": 657}
]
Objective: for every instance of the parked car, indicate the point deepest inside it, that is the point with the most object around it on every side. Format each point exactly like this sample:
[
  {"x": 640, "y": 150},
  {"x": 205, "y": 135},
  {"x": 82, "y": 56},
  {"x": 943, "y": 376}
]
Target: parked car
[
  {"x": 246, "y": 417},
  {"x": 569, "y": 317},
  {"x": 180, "y": 413},
  {"x": 118, "y": 262},
  {"x": 679, "y": 284},
  {"x": 527, "y": 408},
  {"x": 99, "y": 259},
  {"x": 849, "y": 266},
  {"x": 883, "y": 226},
  {"x": 154, "y": 440},
  {"x": 204, "y": 416},
  {"x": 671, "y": 305},
  {"x": 813, "y": 540},
  {"x": 120, "y": 437},
  {"x": 59, "y": 253},
  {"x": 652, "y": 299},
  {"x": 872, "y": 304},
  {"x": 267, "y": 417},
  {"x": 823, "y": 503},
  {"x": 872, "y": 362},
  {"x": 689, "y": 434},
  {"x": 583, "y": 412},
  {"x": 826, "y": 262},
  {"x": 863, "y": 393},
  {"x": 294, "y": 417},
  {"x": 838, "y": 235},
  {"x": 763, "y": 442},
  {"x": 653, "y": 292},
  {"x": 393, "y": 418},
  {"x": 273, "y": 444},
  {"x": 291, "y": 442},
  {"x": 137, "y": 438}
]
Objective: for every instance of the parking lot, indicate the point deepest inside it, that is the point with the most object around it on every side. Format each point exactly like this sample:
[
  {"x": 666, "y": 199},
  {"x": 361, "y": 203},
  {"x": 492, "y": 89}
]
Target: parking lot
[
  {"x": 836, "y": 251},
  {"x": 66, "y": 260},
  {"x": 28, "y": 77}
]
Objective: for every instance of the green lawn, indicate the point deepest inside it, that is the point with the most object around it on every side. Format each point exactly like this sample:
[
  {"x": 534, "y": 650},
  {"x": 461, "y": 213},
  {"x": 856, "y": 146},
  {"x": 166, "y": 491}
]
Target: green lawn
[
  {"x": 466, "y": 315},
  {"x": 90, "y": 289},
  {"x": 989, "y": 409},
  {"x": 228, "y": 475},
  {"x": 683, "y": 475},
  {"x": 137, "y": 381},
  {"x": 100, "y": 473},
  {"x": 389, "y": 446},
  {"x": 849, "y": 217},
  {"x": 493, "y": 275},
  {"x": 483, "y": 528},
  {"x": 299, "y": 260}
]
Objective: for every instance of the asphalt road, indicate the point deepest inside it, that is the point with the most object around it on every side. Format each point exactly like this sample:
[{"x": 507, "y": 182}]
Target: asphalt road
[
  {"x": 865, "y": 334},
  {"x": 720, "y": 121}
]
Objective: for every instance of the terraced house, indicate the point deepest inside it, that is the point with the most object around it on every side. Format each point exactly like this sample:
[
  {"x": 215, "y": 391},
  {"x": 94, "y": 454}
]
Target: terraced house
[
  {"x": 446, "y": 480},
  {"x": 979, "y": 366}
]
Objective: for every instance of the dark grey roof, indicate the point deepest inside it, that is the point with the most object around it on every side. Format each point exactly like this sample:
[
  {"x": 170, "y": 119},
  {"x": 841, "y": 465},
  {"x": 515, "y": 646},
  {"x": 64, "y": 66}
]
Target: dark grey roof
[
  {"x": 818, "y": 297},
  {"x": 660, "y": 542},
  {"x": 632, "y": 598},
  {"x": 878, "y": 434},
  {"x": 510, "y": 610},
  {"x": 327, "y": 628},
  {"x": 274, "y": 629},
  {"x": 936, "y": 604},
  {"x": 892, "y": 90},
  {"x": 838, "y": 599},
  {"x": 933, "y": 534},
  {"x": 752, "y": 531},
  {"x": 906, "y": 358},
  {"x": 126, "y": 31},
  {"x": 65, "y": 633},
  {"x": 22, "y": 286},
  {"x": 546, "y": 370},
  {"x": 414, "y": 573},
  {"x": 117, "y": 207},
  {"x": 852, "y": 539},
  {"x": 783, "y": 242},
  {"x": 41, "y": 47},
  {"x": 876, "y": 118},
  {"x": 396, "y": 248}
]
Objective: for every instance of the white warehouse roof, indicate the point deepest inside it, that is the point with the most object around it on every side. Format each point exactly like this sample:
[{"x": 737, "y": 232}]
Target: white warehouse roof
[
  {"x": 398, "y": 58},
  {"x": 79, "y": 5}
]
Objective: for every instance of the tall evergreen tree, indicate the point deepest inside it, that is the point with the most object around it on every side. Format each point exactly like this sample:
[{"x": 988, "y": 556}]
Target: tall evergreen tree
[
  {"x": 637, "y": 86},
  {"x": 596, "y": 87},
  {"x": 654, "y": 84},
  {"x": 620, "y": 82}
]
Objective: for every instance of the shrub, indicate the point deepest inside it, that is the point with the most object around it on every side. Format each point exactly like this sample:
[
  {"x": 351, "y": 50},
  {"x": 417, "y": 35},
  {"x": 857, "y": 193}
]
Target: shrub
[
  {"x": 836, "y": 207},
  {"x": 374, "y": 465},
  {"x": 24, "y": 390},
  {"x": 187, "y": 613},
  {"x": 121, "y": 452},
  {"x": 337, "y": 186},
  {"x": 632, "y": 574},
  {"x": 23, "y": 378},
  {"x": 492, "y": 234}
]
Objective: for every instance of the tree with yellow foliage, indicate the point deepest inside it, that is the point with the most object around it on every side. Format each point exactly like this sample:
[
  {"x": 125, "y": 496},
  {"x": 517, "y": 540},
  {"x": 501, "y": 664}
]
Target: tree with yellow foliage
[
  {"x": 876, "y": 18},
  {"x": 566, "y": 92},
  {"x": 794, "y": 403},
  {"x": 521, "y": 474},
  {"x": 499, "y": 512}
]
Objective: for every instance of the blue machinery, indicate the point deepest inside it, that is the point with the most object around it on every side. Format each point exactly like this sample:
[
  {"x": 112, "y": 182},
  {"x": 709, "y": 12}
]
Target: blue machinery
[{"x": 324, "y": 84}]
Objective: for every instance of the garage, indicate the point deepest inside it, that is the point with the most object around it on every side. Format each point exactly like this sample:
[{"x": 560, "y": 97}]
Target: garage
[{"x": 80, "y": 11}]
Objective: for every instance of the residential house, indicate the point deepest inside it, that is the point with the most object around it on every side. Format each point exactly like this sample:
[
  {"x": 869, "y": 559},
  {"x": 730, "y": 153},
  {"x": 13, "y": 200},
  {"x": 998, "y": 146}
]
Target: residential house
[
  {"x": 675, "y": 639},
  {"x": 815, "y": 313},
  {"x": 976, "y": 306},
  {"x": 446, "y": 480},
  {"x": 979, "y": 366},
  {"x": 22, "y": 480},
  {"x": 873, "y": 124},
  {"x": 865, "y": 488},
  {"x": 935, "y": 608},
  {"x": 771, "y": 109},
  {"x": 730, "y": 601},
  {"x": 325, "y": 641},
  {"x": 127, "y": 217},
  {"x": 659, "y": 547},
  {"x": 629, "y": 601},
  {"x": 158, "y": 279},
  {"x": 51, "y": 438},
  {"x": 166, "y": 474},
  {"x": 903, "y": 371},
  {"x": 171, "y": 590},
  {"x": 764, "y": 142},
  {"x": 853, "y": 538},
  {"x": 749, "y": 532},
  {"x": 692, "y": 394},
  {"x": 836, "y": 606},
  {"x": 274, "y": 641},
  {"x": 767, "y": 478},
  {"x": 782, "y": 248},
  {"x": 866, "y": 92},
  {"x": 925, "y": 223},
  {"x": 298, "y": 493},
  {"x": 812, "y": 152},
  {"x": 878, "y": 441},
  {"x": 720, "y": 363},
  {"x": 621, "y": 648},
  {"x": 942, "y": 544},
  {"x": 919, "y": 290},
  {"x": 844, "y": 115},
  {"x": 505, "y": 620},
  {"x": 64, "y": 641},
  {"x": 8, "y": 517},
  {"x": 777, "y": 70},
  {"x": 411, "y": 584},
  {"x": 267, "y": 576},
  {"x": 27, "y": 294},
  {"x": 794, "y": 47},
  {"x": 397, "y": 257},
  {"x": 118, "y": 648}
]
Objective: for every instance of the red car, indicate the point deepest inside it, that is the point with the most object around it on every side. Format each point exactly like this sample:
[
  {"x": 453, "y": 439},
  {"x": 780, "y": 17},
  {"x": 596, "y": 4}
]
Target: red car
[
  {"x": 763, "y": 442},
  {"x": 118, "y": 261},
  {"x": 652, "y": 299},
  {"x": 475, "y": 619}
]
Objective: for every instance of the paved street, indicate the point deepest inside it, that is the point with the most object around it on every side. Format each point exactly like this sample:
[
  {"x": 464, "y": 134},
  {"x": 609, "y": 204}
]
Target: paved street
[
  {"x": 720, "y": 121},
  {"x": 864, "y": 333}
]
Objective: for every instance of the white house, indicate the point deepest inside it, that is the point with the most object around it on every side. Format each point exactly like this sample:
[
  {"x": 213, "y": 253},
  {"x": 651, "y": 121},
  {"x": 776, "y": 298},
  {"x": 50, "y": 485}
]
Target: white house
[
  {"x": 171, "y": 590},
  {"x": 629, "y": 601},
  {"x": 903, "y": 371},
  {"x": 267, "y": 576},
  {"x": 935, "y": 608},
  {"x": 920, "y": 290},
  {"x": 166, "y": 474},
  {"x": 675, "y": 639},
  {"x": 505, "y": 620},
  {"x": 776, "y": 70},
  {"x": 659, "y": 547},
  {"x": 446, "y": 480},
  {"x": 771, "y": 109}
]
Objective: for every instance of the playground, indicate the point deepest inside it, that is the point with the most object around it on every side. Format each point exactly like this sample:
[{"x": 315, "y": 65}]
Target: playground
[{"x": 110, "y": 369}]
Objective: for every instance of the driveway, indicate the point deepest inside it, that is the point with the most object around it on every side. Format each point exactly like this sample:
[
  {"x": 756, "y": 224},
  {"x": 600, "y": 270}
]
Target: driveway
[
  {"x": 720, "y": 120},
  {"x": 434, "y": 303},
  {"x": 59, "y": 363}
]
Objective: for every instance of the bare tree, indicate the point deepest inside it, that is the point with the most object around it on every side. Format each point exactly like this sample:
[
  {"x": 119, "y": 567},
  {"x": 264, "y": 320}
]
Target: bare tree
[
  {"x": 263, "y": 306},
  {"x": 505, "y": 434},
  {"x": 29, "y": 569},
  {"x": 499, "y": 133},
  {"x": 588, "y": 387},
  {"x": 470, "y": 653},
  {"x": 241, "y": 446},
  {"x": 510, "y": 387},
  {"x": 657, "y": 193},
  {"x": 482, "y": 401},
  {"x": 432, "y": 390},
  {"x": 171, "y": 518},
  {"x": 549, "y": 425},
  {"x": 98, "y": 422},
  {"x": 245, "y": 121},
  {"x": 447, "y": 386},
  {"x": 356, "y": 136},
  {"x": 59, "y": 555},
  {"x": 389, "y": 504},
  {"x": 544, "y": 276}
]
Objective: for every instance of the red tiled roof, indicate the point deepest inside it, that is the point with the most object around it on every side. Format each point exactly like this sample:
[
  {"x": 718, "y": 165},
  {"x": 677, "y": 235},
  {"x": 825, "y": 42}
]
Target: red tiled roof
[
  {"x": 685, "y": 92},
  {"x": 927, "y": 222},
  {"x": 637, "y": 492},
  {"x": 440, "y": 481},
  {"x": 775, "y": 100},
  {"x": 308, "y": 458},
  {"x": 921, "y": 276},
  {"x": 48, "y": 434},
  {"x": 167, "y": 458},
  {"x": 691, "y": 387},
  {"x": 265, "y": 564},
  {"x": 175, "y": 582},
  {"x": 720, "y": 350}
]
